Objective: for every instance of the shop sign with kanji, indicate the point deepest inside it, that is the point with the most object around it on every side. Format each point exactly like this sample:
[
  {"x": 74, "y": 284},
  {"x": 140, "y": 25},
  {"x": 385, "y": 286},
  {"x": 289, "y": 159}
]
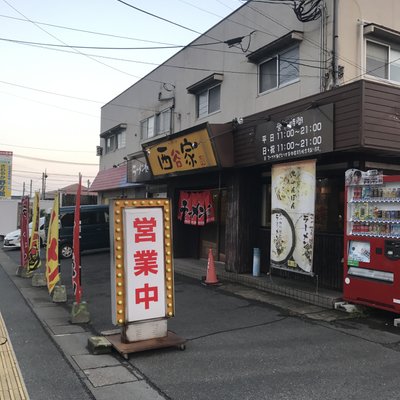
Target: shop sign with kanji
[
  {"x": 5, "y": 174},
  {"x": 143, "y": 260},
  {"x": 185, "y": 153}
]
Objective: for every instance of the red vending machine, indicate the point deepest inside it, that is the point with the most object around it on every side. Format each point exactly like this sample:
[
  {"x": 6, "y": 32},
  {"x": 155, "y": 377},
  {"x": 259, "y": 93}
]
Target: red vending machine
[{"x": 372, "y": 240}]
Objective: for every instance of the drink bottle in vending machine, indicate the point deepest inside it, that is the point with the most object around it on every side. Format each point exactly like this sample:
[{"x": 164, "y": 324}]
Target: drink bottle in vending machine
[{"x": 372, "y": 239}]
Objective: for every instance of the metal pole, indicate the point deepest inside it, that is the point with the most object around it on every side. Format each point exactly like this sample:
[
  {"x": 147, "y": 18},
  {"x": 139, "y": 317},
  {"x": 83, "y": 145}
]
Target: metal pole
[
  {"x": 335, "y": 38},
  {"x": 44, "y": 176}
]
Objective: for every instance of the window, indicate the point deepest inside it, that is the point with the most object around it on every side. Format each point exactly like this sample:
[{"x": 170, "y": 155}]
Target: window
[
  {"x": 156, "y": 124},
  {"x": 164, "y": 121},
  {"x": 279, "y": 70},
  {"x": 121, "y": 140},
  {"x": 383, "y": 61},
  {"x": 67, "y": 220},
  {"x": 110, "y": 144},
  {"x": 115, "y": 141},
  {"x": 114, "y": 138},
  {"x": 377, "y": 60},
  {"x": 208, "y": 94},
  {"x": 329, "y": 205},
  {"x": 208, "y": 101},
  {"x": 89, "y": 218}
]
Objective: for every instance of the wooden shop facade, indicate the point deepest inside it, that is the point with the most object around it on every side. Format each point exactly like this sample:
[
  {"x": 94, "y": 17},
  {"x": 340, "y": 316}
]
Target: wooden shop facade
[{"x": 222, "y": 191}]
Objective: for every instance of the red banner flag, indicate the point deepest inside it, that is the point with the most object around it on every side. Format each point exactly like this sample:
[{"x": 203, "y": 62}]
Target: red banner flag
[
  {"x": 76, "y": 255},
  {"x": 24, "y": 238},
  {"x": 34, "y": 244}
]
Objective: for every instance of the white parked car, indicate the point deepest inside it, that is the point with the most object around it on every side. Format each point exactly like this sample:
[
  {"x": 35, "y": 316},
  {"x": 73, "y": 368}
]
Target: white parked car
[{"x": 13, "y": 239}]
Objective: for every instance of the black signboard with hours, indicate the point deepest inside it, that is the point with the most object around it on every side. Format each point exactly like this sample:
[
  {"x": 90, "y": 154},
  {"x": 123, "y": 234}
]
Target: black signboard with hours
[{"x": 300, "y": 135}]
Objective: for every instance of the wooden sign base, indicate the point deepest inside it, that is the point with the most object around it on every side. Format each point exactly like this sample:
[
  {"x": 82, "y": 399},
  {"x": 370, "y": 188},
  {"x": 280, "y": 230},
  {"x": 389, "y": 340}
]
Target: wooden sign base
[{"x": 171, "y": 340}]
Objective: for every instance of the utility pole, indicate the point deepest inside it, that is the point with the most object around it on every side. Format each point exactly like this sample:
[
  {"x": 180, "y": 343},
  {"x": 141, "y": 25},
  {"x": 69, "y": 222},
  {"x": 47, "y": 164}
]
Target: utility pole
[
  {"x": 44, "y": 177},
  {"x": 30, "y": 189},
  {"x": 23, "y": 189}
]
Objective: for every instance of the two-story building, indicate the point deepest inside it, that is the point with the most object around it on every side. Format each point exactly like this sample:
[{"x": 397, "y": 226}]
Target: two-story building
[{"x": 270, "y": 85}]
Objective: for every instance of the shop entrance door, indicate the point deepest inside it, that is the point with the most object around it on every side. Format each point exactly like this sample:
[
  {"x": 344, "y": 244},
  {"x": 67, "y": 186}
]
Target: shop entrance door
[{"x": 212, "y": 236}]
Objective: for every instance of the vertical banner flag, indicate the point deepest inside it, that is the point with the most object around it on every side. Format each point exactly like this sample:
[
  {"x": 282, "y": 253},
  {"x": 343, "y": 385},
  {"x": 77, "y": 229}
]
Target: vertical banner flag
[
  {"x": 76, "y": 255},
  {"x": 24, "y": 238},
  {"x": 5, "y": 174},
  {"x": 34, "y": 245},
  {"x": 52, "y": 270},
  {"x": 292, "y": 216}
]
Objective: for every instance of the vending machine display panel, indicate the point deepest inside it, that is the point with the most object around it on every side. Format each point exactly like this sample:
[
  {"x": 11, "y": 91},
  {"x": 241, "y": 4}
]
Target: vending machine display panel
[{"x": 372, "y": 239}]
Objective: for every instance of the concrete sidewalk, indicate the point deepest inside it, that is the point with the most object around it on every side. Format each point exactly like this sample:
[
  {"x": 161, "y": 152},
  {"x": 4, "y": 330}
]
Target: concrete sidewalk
[
  {"x": 302, "y": 291},
  {"x": 107, "y": 376},
  {"x": 12, "y": 386}
]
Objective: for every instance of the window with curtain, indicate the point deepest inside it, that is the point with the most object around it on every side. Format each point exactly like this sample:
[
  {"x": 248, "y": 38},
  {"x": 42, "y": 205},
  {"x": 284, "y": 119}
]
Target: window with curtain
[
  {"x": 156, "y": 124},
  {"x": 115, "y": 141},
  {"x": 383, "y": 61},
  {"x": 208, "y": 101}
]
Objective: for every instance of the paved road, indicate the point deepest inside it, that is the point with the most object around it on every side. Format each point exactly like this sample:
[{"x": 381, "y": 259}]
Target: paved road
[{"x": 240, "y": 348}]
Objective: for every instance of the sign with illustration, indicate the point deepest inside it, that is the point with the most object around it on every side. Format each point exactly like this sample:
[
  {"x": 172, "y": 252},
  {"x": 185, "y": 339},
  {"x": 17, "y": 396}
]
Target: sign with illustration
[
  {"x": 185, "y": 153},
  {"x": 356, "y": 177},
  {"x": 292, "y": 216},
  {"x": 5, "y": 174},
  {"x": 359, "y": 251},
  {"x": 300, "y": 135}
]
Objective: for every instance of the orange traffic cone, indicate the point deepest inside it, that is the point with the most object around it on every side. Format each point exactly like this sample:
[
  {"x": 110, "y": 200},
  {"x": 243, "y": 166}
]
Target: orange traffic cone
[{"x": 211, "y": 278}]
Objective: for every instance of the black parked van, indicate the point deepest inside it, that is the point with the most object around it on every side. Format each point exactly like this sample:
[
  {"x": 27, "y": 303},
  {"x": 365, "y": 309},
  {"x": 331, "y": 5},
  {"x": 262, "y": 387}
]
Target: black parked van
[{"x": 95, "y": 229}]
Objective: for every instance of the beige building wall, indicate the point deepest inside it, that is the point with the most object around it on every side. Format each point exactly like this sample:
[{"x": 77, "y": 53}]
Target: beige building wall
[
  {"x": 260, "y": 24},
  {"x": 353, "y": 15}
]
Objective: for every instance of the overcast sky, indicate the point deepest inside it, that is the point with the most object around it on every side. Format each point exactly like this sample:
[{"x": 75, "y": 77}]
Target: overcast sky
[{"x": 50, "y": 96}]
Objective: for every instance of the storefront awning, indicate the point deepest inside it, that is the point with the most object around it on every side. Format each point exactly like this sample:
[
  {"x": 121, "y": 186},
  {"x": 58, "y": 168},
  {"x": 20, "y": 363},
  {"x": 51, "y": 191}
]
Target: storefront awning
[{"x": 110, "y": 179}]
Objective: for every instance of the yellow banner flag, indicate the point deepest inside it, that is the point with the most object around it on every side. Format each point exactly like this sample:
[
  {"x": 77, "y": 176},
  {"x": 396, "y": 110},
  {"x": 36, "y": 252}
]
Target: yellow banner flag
[
  {"x": 52, "y": 270},
  {"x": 34, "y": 244}
]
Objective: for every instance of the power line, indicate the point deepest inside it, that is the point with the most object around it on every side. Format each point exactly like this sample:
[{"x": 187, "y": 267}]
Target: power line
[
  {"x": 47, "y": 179},
  {"x": 162, "y": 65},
  {"x": 54, "y": 37},
  {"x": 107, "y": 48},
  {"x": 45, "y": 149},
  {"x": 318, "y": 46},
  {"x": 51, "y": 173},
  {"x": 201, "y": 9},
  {"x": 166, "y": 20},
  {"x": 54, "y": 106},
  {"x": 158, "y": 17},
  {"x": 71, "y": 97},
  {"x": 54, "y": 161},
  {"x": 53, "y": 93},
  {"x": 175, "y": 66},
  {"x": 153, "y": 15},
  {"x": 137, "y": 39},
  {"x": 158, "y": 65},
  {"x": 67, "y": 109},
  {"x": 90, "y": 32}
]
